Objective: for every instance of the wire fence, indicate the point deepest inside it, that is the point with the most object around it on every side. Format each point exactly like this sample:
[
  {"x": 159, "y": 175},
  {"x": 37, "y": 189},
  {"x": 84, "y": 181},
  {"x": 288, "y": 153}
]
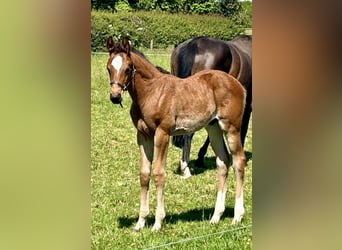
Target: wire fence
[
  {"x": 146, "y": 54},
  {"x": 198, "y": 237}
]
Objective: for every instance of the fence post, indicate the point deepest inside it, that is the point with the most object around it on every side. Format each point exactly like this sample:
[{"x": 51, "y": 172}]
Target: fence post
[{"x": 151, "y": 44}]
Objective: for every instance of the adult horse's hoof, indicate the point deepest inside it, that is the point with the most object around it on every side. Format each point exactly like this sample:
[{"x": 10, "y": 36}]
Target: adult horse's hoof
[{"x": 183, "y": 166}]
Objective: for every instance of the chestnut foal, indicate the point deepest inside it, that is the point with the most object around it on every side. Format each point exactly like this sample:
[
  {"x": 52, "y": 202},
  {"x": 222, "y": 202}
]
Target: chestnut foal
[{"x": 164, "y": 105}]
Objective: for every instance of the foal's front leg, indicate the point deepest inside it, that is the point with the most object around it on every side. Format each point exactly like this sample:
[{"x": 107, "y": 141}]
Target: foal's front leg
[
  {"x": 161, "y": 143},
  {"x": 146, "y": 155}
]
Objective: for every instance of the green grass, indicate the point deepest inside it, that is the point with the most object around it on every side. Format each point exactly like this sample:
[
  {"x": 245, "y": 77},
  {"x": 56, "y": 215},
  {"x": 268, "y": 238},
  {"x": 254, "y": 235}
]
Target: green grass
[{"x": 115, "y": 185}]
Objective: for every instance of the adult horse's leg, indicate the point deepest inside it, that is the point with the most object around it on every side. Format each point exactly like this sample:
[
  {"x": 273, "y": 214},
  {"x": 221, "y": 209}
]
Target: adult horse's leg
[
  {"x": 201, "y": 153},
  {"x": 146, "y": 156},
  {"x": 246, "y": 115},
  {"x": 161, "y": 143},
  {"x": 186, "y": 156},
  {"x": 184, "y": 142},
  {"x": 244, "y": 125},
  {"x": 222, "y": 162},
  {"x": 239, "y": 162}
]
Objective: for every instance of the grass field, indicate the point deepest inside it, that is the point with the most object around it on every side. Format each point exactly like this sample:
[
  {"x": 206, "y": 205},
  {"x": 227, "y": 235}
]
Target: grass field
[{"x": 189, "y": 204}]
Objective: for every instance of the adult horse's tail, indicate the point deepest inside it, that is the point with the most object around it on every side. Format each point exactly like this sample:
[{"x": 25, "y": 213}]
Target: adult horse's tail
[{"x": 183, "y": 58}]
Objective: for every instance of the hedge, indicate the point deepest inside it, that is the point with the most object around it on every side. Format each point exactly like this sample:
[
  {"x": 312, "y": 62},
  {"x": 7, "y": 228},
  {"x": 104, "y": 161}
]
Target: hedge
[{"x": 164, "y": 29}]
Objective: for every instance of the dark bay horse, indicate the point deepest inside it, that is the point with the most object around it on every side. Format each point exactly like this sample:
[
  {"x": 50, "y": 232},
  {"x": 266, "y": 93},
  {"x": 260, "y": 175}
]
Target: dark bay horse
[
  {"x": 199, "y": 53},
  {"x": 162, "y": 107}
]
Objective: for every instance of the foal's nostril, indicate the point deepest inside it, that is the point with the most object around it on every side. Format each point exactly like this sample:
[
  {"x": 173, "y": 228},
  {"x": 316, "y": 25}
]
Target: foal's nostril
[{"x": 115, "y": 99}]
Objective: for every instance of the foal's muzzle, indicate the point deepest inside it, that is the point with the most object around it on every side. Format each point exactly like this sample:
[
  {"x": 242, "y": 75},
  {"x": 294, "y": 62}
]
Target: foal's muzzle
[{"x": 115, "y": 99}]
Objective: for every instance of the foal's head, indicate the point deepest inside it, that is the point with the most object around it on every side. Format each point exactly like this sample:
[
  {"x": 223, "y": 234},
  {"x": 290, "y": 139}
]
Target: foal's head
[{"x": 120, "y": 68}]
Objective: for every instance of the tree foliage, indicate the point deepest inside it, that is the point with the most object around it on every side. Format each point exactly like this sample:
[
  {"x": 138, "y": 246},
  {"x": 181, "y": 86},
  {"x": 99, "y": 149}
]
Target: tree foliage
[
  {"x": 103, "y": 4},
  {"x": 166, "y": 23},
  {"x": 227, "y": 8}
]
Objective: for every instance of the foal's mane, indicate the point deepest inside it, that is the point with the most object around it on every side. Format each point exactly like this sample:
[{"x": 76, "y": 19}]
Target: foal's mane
[{"x": 140, "y": 54}]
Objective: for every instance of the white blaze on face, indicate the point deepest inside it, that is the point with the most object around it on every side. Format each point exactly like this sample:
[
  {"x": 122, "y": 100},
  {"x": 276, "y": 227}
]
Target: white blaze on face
[{"x": 117, "y": 63}]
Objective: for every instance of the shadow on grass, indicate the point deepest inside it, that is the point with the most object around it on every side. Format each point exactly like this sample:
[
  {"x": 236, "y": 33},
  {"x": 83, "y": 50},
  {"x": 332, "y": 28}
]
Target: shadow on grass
[
  {"x": 209, "y": 164},
  {"x": 249, "y": 155},
  {"x": 189, "y": 216}
]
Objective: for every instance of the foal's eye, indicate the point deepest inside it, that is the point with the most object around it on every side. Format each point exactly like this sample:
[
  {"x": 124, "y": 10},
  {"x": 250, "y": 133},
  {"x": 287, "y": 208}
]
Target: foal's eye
[{"x": 128, "y": 70}]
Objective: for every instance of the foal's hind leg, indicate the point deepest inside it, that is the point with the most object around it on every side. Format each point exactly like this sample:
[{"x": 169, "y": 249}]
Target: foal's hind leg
[
  {"x": 239, "y": 162},
  {"x": 222, "y": 163},
  {"x": 146, "y": 156}
]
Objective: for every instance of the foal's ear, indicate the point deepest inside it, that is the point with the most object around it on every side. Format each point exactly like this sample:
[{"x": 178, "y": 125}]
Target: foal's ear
[
  {"x": 110, "y": 44},
  {"x": 125, "y": 44}
]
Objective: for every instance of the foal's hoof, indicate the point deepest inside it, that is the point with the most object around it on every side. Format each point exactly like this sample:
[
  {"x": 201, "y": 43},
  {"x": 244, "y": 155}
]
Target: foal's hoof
[
  {"x": 239, "y": 212},
  {"x": 156, "y": 227},
  {"x": 237, "y": 220},
  {"x": 217, "y": 214},
  {"x": 140, "y": 224},
  {"x": 214, "y": 220}
]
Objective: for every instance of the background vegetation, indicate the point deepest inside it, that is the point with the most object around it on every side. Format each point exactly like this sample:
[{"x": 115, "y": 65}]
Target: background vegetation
[
  {"x": 162, "y": 24},
  {"x": 223, "y": 7}
]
